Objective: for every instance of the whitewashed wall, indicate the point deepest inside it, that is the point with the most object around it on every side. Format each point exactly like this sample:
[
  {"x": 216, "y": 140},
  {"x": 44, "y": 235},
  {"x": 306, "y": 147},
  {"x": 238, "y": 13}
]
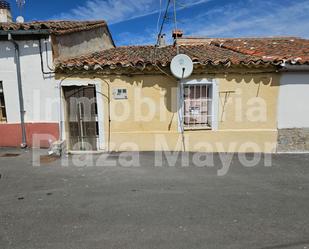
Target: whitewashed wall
[
  {"x": 41, "y": 94},
  {"x": 293, "y": 105}
]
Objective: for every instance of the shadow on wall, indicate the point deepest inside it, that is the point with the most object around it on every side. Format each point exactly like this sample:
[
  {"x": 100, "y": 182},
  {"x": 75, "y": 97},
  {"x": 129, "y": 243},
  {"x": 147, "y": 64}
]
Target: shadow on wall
[
  {"x": 295, "y": 78},
  {"x": 257, "y": 78},
  {"x": 265, "y": 79},
  {"x": 30, "y": 47},
  {"x": 29, "y": 56},
  {"x": 168, "y": 87}
]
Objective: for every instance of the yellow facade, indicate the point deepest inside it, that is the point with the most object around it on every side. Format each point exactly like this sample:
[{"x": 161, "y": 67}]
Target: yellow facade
[{"x": 148, "y": 120}]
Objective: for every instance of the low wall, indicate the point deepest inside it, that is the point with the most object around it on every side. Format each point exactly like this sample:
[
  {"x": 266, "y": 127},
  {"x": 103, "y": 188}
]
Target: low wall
[
  {"x": 10, "y": 134},
  {"x": 293, "y": 140}
]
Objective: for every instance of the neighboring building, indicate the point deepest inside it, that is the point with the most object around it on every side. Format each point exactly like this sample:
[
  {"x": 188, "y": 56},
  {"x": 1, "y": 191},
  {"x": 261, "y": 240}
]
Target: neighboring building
[
  {"x": 293, "y": 101},
  {"x": 27, "y": 55},
  {"x": 5, "y": 11}
]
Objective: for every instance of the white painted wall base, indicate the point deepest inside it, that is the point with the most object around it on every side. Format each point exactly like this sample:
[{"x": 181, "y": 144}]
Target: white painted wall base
[{"x": 293, "y": 105}]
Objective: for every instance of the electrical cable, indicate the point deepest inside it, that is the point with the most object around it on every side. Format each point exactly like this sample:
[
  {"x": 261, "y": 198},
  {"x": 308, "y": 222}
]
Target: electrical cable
[
  {"x": 177, "y": 48},
  {"x": 158, "y": 39},
  {"x": 159, "y": 17},
  {"x": 163, "y": 21},
  {"x": 176, "y": 29}
]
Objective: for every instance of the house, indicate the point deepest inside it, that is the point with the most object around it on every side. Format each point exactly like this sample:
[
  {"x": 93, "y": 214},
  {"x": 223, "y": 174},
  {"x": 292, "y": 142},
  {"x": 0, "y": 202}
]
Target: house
[
  {"x": 29, "y": 92},
  {"x": 238, "y": 98},
  {"x": 143, "y": 108}
]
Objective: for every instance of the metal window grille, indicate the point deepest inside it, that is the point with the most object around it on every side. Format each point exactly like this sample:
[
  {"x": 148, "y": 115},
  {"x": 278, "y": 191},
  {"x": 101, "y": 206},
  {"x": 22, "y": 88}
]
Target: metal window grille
[
  {"x": 3, "y": 117},
  {"x": 197, "y": 106}
]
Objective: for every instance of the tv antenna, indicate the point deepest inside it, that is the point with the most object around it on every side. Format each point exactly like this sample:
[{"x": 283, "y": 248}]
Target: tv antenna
[{"x": 20, "y": 5}]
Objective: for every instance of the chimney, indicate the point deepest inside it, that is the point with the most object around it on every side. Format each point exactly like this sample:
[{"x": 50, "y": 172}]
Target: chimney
[
  {"x": 5, "y": 11},
  {"x": 162, "y": 42},
  {"x": 177, "y": 33}
]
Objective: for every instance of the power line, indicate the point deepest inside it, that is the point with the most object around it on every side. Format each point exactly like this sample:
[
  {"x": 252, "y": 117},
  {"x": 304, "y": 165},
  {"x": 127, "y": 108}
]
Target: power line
[
  {"x": 176, "y": 29},
  {"x": 20, "y": 5},
  {"x": 163, "y": 21},
  {"x": 159, "y": 17},
  {"x": 177, "y": 47},
  {"x": 158, "y": 39},
  {"x": 175, "y": 15}
]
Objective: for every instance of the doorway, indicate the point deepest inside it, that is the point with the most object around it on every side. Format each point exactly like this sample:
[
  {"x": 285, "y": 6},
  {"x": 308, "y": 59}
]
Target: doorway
[{"x": 82, "y": 117}]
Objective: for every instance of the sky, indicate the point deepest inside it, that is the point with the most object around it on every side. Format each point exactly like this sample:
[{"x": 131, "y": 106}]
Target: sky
[{"x": 135, "y": 22}]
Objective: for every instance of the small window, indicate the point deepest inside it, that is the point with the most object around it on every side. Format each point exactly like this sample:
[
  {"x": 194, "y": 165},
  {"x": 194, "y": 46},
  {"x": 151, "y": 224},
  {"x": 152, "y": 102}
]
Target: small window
[
  {"x": 197, "y": 106},
  {"x": 2, "y": 105}
]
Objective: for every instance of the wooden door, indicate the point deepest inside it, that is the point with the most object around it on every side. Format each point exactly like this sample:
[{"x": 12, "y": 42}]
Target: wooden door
[{"x": 82, "y": 117}]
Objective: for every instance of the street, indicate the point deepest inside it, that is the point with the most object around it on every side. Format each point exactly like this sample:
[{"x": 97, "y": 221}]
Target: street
[{"x": 70, "y": 207}]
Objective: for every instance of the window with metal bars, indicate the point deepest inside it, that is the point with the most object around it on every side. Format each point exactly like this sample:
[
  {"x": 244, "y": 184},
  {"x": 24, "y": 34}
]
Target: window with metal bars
[
  {"x": 2, "y": 105},
  {"x": 197, "y": 106}
]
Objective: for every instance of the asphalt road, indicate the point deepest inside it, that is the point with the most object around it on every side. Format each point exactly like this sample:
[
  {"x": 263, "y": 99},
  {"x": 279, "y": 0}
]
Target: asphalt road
[{"x": 71, "y": 207}]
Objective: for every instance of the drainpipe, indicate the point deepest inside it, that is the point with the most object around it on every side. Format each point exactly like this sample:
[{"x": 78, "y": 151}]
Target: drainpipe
[{"x": 20, "y": 93}]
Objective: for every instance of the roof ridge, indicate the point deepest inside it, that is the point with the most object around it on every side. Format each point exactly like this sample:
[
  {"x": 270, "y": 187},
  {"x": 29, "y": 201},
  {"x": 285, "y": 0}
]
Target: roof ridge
[
  {"x": 169, "y": 45},
  {"x": 289, "y": 47},
  {"x": 221, "y": 46},
  {"x": 134, "y": 46},
  {"x": 244, "y": 38}
]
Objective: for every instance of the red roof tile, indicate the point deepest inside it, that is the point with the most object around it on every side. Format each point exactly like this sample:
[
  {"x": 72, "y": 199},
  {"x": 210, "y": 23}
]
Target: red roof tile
[
  {"x": 141, "y": 56},
  {"x": 289, "y": 49},
  {"x": 54, "y": 27}
]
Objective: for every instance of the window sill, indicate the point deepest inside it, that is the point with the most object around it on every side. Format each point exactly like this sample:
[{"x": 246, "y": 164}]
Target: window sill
[{"x": 198, "y": 128}]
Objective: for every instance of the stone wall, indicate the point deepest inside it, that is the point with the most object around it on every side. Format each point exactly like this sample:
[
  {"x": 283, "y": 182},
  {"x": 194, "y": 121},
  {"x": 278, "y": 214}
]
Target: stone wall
[{"x": 293, "y": 140}]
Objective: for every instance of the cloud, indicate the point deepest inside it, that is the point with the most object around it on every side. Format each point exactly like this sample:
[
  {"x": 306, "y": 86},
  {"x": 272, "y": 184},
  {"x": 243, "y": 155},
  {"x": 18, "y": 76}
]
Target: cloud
[
  {"x": 256, "y": 18},
  {"x": 220, "y": 18},
  {"x": 115, "y": 11}
]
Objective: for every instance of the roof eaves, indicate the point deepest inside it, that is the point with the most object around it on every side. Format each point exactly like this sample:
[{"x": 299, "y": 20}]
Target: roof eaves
[
  {"x": 77, "y": 29},
  {"x": 49, "y": 27},
  {"x": 25, "y": 32}
]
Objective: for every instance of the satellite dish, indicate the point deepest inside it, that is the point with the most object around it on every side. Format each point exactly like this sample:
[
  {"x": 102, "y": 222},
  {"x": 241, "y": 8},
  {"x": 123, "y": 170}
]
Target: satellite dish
[
  {"x": 182, "y": 66},
  {"x": 20, "y": 19}
]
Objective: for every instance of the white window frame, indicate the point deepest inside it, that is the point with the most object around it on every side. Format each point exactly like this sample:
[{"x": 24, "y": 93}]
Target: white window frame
[{"x": 214, "y": 108}]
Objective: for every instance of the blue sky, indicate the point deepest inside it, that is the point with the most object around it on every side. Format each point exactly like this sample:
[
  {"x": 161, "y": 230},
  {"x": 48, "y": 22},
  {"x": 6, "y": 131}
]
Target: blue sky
[{"x": 135, "y": 21}]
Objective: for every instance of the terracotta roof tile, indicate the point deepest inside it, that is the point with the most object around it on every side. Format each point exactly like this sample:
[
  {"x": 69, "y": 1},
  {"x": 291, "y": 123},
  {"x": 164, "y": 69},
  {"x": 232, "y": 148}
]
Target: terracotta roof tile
[
  {"x": 290, "y": 49},
  {"x": 5, "y": 5},
  {"x": 141, "y": 56},
  {"x": 54, "y": 27}
]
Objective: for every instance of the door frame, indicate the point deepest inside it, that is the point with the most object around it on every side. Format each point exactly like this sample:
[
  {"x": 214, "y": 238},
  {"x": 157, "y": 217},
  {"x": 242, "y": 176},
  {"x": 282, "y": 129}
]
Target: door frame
[{"x": 100, "y": 106}]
